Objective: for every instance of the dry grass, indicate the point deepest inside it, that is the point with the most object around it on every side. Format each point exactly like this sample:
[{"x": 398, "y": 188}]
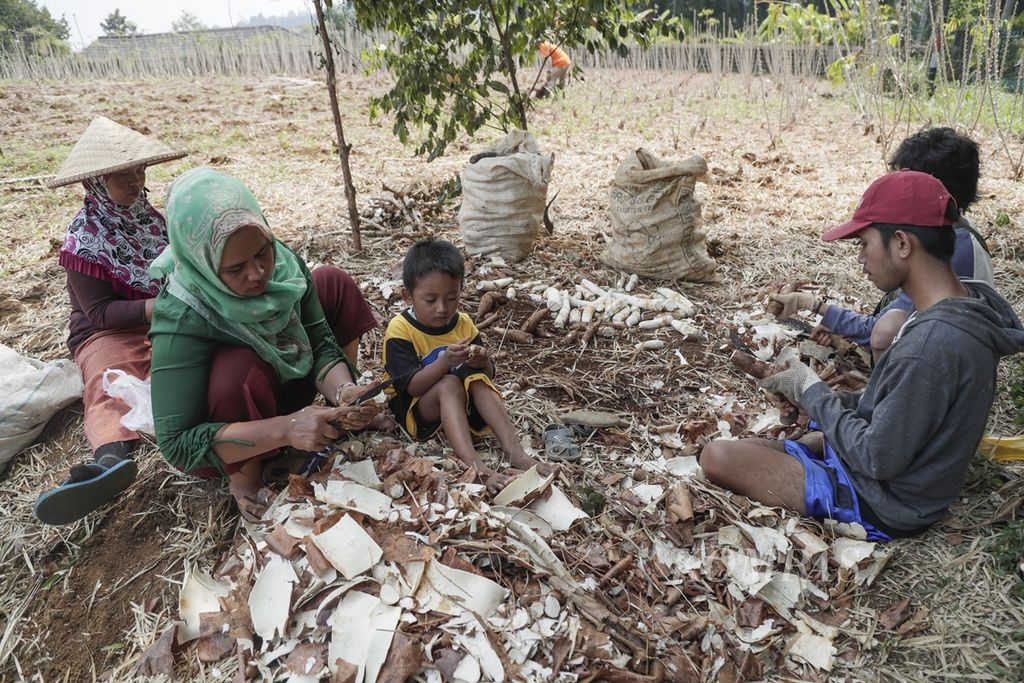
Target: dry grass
[{"x": 775, "y": 185}]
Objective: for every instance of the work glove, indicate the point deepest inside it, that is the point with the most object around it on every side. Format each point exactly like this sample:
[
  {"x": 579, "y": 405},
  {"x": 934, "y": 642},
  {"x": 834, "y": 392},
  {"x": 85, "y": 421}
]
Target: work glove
[
  {"x": 791, "y": 382},
  {"x": 791, "y": 303}
]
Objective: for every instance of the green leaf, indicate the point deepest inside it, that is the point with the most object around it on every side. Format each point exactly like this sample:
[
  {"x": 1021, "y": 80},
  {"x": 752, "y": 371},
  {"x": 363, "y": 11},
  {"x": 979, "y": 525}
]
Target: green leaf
[{"x": 461, "y": 66}]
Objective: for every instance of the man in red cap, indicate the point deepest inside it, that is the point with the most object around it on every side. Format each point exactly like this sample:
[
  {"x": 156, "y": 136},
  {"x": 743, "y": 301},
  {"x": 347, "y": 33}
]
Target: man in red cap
[{"x": 893, "y": 457}]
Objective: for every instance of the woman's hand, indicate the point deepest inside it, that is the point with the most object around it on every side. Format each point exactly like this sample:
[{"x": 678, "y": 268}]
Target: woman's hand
[
  {"x": 349, "y": 393},
  {"x": 310, "y": 429},
  {"x": 353, "y": 418},
  {"x": 456, "y": 354}
]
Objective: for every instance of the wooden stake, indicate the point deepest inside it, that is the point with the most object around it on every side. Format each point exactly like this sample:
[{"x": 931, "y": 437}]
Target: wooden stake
[{"x": 343, "y": 147}]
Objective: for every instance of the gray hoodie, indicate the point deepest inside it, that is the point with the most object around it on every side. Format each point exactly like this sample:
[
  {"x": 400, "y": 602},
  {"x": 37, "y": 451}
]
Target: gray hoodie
[{"x": 907, "y": 441}]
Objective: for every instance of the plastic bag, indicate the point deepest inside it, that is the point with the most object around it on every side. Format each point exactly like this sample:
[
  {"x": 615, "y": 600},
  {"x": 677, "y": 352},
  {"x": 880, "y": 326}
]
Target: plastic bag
[
  {"x": 134, "y": 392},
  {"x": 33, "y": 391},
  {"x": 1002, "y": 448}
]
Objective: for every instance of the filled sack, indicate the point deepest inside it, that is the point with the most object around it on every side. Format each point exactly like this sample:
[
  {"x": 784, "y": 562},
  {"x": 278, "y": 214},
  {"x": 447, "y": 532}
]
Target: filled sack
[
  {"x": 504, "y": 192},
  {"x": 656, "y": 222},
  {"x": 33, "y": 392}
]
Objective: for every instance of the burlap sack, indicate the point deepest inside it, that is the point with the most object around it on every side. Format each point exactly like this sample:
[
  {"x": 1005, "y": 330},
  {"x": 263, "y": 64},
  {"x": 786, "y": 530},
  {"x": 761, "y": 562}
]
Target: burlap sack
[
  {"x": 656, "y": 223},
  {"x": 503, "y": 196}
]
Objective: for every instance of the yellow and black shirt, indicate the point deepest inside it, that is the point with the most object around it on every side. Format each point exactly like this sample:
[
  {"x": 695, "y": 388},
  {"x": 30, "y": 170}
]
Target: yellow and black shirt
[{"x": 409, "y": 345}]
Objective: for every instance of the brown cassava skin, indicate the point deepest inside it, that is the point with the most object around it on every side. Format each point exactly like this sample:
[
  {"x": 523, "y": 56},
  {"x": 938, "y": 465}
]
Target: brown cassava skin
[
  {"x": 535, "y": 319},
  {"x": 487, "y": 303},
  {"x": 488, "y": 321},
  {"x": 760, "y": 369},
  {"x": 774, "y": 307},
  {"x": 516, "y": 336}
]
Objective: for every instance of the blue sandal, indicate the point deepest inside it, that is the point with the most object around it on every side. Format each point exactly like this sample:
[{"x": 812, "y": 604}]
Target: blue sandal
[
  {"x": 560, "y": 443},
  {"x": 73, "y": 500}
]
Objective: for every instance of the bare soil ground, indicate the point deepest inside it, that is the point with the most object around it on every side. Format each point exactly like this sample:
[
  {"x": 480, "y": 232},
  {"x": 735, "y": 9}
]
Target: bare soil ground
[{"x": 79, "y": 601}]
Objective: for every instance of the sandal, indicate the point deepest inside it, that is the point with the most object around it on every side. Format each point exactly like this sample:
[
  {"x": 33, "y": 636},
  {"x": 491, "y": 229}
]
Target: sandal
[
  {"x": 73, "y": 500},
  {"x": 560, "y": 443}
]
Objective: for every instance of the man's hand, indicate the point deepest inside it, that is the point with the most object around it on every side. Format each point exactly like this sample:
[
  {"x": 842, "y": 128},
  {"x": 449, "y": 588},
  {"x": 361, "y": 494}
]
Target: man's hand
[
  {"x": 791, "y": 303},
  {"x": 791, "y": 382},
  {"x": 821, "y": 335}
]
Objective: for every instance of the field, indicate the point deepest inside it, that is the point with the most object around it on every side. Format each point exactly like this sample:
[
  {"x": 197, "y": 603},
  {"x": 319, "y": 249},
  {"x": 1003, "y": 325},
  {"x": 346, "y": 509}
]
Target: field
[{"x": 86, "y": 600}]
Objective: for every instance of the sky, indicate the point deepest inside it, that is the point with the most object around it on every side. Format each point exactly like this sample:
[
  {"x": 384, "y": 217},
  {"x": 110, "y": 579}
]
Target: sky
[{"x": 156, "y": 16}]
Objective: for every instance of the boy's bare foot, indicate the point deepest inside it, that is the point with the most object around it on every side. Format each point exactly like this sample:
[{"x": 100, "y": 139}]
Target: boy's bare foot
[
  {"x": 494, "y": 481},
  {"x": 522, "y": 461}
]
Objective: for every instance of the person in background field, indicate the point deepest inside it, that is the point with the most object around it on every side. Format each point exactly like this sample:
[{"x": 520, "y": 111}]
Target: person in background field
[
  {"x": 106, "y": 253},
  {"x": 558, "y": 64},
  {"x": 893, "y": 457},
  {"x": 953, "y": 159},
  {"x": 442, "y": 374},
  {"x": 244, "y": 336}
]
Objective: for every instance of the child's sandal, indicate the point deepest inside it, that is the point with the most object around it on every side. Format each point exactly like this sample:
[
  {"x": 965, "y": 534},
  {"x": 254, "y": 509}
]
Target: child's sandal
[{"x": 560, "y": 443}]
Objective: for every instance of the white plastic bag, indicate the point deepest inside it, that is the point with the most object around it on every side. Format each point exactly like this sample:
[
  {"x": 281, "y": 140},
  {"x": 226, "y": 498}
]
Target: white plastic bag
[
  {"x": 32, "y": 392},
  {"x": 134, "y": 392}
]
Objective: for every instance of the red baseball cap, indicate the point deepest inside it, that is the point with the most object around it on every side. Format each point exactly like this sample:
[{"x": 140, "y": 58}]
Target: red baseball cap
[{"x": 901, "y": 198}]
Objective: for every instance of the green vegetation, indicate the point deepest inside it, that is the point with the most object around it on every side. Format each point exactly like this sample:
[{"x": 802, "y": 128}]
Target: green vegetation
[
  {"x": 23, "y": 24},
  {"x": 461, "y": 65},
  {"x": 1015, "y": 385},
  {"x": 117, "y": 24},
  {"x": 187, "y": 23},
  {"x": 1007, "y": 548}
]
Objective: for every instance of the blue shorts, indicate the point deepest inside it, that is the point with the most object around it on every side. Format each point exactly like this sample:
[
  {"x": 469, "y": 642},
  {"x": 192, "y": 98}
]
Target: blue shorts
[{"x": 828, "y": 491}]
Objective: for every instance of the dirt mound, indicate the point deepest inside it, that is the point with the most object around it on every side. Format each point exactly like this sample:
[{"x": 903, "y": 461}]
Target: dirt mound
[{"x": 86, "y": 606}]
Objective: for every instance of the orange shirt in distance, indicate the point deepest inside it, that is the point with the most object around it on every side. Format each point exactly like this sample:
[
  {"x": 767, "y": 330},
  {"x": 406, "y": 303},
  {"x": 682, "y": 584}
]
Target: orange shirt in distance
[{"x": 559, "y": 59}]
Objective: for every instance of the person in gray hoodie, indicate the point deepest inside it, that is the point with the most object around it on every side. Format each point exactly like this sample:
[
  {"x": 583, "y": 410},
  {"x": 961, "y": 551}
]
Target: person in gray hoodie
[{"x": 893, "y": 457}]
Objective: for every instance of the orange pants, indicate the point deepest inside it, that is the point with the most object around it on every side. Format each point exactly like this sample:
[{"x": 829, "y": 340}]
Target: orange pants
[{"x": 127, "y": 350}]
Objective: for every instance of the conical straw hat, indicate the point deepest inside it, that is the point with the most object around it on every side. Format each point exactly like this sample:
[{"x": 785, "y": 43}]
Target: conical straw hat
[{"x": 109, "y": 147}]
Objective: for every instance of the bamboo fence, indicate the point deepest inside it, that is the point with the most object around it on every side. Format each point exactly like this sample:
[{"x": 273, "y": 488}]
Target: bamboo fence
[{"x": 297, "y": 54}]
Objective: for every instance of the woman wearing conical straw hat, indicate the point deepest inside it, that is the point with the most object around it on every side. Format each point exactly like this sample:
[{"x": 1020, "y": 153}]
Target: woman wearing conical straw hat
[{"x": 107, "y": 251}]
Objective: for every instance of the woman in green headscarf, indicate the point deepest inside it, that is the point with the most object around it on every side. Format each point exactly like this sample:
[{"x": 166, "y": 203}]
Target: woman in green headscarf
[{"x": 244, "y": 336}]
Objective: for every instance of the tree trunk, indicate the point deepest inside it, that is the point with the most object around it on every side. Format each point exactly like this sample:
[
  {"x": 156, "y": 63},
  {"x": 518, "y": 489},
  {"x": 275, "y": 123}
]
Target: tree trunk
[
  {"x": 343, "y": 147},
  {"x": 510, "y": 64}
]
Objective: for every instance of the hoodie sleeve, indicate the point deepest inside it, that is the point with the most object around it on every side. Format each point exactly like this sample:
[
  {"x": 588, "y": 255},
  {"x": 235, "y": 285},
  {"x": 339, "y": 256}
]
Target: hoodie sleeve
[{"x": 884, "y": 446}]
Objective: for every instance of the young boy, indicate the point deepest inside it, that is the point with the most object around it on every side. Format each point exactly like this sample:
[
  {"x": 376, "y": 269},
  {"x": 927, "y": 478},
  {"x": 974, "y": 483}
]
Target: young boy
[
  {"x": 442, "y": 374},
  {"x": 953, "y": 159},
  {"x": 895, "y": 456}
]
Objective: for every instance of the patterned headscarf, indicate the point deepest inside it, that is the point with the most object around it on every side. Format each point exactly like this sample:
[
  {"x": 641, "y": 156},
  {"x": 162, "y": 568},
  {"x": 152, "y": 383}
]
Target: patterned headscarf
[
  {"x": 204, "y": 208},
  {"x": 115, "y": 243}
]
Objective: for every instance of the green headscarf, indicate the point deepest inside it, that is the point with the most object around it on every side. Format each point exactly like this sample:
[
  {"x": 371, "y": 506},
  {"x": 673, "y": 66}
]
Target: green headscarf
[{"x": 204, "y": 208}]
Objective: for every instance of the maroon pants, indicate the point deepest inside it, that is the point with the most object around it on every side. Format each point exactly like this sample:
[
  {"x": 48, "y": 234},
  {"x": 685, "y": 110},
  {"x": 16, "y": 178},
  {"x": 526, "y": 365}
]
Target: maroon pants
[{"x": 244, "y": 387}]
